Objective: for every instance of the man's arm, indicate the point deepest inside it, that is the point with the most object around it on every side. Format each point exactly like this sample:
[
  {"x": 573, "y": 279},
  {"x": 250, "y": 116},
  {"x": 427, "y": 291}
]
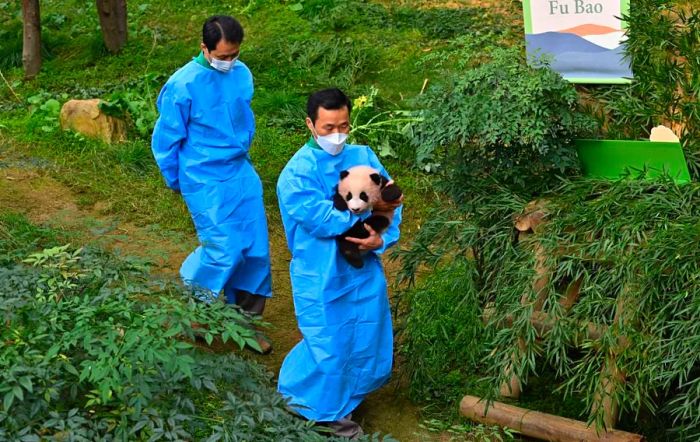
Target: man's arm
[
  {"x": 169, "y": 132},
  {"x": 301, "y": 198}
]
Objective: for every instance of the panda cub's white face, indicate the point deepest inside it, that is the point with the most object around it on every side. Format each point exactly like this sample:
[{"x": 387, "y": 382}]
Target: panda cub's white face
[
  {"x": 358, "y": 203},
  {"x": 358, "y": 189}
]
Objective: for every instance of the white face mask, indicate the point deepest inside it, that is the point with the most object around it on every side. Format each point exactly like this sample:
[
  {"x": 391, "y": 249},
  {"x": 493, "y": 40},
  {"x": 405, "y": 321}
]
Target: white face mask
[
  {"x": 332, "y": 143},
  {"x": 222, "y": 65}
]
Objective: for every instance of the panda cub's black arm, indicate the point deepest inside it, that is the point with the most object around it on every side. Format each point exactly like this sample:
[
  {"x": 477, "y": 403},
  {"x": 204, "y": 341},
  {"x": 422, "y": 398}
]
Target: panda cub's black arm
[
  {"x": 391, "y": 192},
  {"x": 339, "y": 202}
]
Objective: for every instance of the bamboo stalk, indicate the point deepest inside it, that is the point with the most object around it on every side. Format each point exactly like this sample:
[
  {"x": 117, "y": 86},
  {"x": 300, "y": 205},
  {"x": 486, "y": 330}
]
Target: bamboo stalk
[
  {"x": 611, "y": 377},
  {"x": 543, "y": 323},
  {"x": 512, "y": 387},
  {"x": 539, "y": 425}
]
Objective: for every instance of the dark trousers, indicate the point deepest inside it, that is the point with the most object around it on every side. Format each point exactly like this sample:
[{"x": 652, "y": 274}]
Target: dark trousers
[{"x": 254, "y": 304}]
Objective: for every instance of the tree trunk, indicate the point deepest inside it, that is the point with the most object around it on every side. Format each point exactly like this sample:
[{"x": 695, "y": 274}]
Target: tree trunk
[
  {"x": 112, "y": 15},
  {"x": 31, "y": 49}
]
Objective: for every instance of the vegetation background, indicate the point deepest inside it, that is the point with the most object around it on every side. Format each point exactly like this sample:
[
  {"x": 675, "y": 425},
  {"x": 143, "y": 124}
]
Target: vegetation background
[{"x": 443, "y": 94}]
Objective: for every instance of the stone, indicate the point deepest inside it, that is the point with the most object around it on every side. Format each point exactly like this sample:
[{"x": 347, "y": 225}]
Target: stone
[{"x": 85, "y": 117}]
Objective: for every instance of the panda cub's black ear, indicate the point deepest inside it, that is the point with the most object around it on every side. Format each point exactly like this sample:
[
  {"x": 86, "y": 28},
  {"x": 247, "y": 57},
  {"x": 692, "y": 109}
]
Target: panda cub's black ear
[
  {"x": 376, "y": 178},
  {"x": 343, "y": 174}
]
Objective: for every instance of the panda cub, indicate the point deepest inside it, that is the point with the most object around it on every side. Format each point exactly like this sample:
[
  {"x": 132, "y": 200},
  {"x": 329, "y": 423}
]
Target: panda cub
[{"x": 360, "y": 187}]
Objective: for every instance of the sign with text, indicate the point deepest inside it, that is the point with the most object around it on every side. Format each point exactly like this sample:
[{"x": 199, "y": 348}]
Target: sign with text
[{"x": 583, "y": 39}]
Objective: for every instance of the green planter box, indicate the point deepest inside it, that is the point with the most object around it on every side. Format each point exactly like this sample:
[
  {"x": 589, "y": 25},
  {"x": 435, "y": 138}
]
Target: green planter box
[{"x": 614, "y": 159}]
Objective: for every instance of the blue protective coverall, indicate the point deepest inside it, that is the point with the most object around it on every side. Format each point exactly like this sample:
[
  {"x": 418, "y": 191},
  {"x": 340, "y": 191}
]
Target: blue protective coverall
[
  {"x": 201, "y": 142},
  {"x": 343, "y": 312}
]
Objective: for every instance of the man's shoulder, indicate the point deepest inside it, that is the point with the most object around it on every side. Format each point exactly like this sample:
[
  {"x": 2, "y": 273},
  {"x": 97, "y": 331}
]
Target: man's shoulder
[
  {"x": 302, "y": 161},
  {"x": 360, "y": 148},
  {"x": 245, "y": 70},
  {"x": 184, "y": 75},
  {"x": 362, "y": 153}
]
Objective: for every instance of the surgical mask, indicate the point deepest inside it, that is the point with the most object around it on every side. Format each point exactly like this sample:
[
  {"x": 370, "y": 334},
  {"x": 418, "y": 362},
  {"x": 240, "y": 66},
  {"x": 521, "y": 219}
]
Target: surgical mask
[
  {"x": 332, "y": 143},
  {"x": 222, "y": 65}
]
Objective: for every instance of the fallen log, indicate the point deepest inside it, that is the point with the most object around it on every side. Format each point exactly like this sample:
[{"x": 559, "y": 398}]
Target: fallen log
[{"x": 539, "y": 425}]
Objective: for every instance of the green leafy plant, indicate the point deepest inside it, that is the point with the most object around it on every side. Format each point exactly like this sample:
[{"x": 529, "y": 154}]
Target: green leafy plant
[
  {"x": 137, "y": 101},
  {"x": 387, "y": 131},
  {"x": 95, "y": 348},
  {"x": 632, "y": 245},
  {"x": 503, "y": 119},
  {"x": 44, "y": 111},
  {"x": 441, "y": 334}
]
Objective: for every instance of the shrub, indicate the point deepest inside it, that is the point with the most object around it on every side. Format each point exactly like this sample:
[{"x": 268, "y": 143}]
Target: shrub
[
  {"x": 504, "y": 119},
  {"x": 93, "y": 348},
  {"x": 633, "y": 244},
  {"x": 137, "y": 101},
  {"x": 442, "y": 334},
  {"x": 638, "y": 264}
]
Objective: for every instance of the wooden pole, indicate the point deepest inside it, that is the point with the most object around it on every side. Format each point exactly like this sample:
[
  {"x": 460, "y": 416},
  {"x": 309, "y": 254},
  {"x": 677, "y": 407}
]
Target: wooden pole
[
  {"x": 611, "y": 377},
  {"x": 543, "y": 323},
  {"x": 539, "y": 425},
  {"x": 512, "y": 387}
]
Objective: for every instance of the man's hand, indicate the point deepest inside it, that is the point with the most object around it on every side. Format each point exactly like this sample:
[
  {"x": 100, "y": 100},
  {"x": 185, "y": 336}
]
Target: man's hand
[{"x": 373, "y": 242}]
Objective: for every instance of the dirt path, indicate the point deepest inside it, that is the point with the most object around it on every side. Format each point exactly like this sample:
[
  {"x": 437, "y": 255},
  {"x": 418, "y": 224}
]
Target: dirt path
[{"x": 45, "y": 201}]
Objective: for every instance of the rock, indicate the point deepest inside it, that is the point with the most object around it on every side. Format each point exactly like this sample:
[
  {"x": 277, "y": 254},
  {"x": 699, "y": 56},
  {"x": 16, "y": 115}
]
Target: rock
[{"x": 85, "y": 117}]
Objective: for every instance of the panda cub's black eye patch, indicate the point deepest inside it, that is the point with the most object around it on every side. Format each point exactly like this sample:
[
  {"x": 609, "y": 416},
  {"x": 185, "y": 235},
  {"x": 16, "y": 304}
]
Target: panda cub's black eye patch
[
  {"x": 364, "y": 197},
  {"x": 348, "y": 197}
]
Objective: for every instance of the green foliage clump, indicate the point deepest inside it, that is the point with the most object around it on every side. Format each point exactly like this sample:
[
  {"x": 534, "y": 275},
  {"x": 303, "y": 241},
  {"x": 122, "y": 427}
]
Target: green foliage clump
[
  {"x": 634, "y": 247},
  {"x": 380, "y": 125},
  {"x": 444, "y": 23},
  {"x": 93, "y": 348},
  {"x": 11, "y": 36},
  {"x": 137, "y": 102},
  {"x": 312, "y": 63},
  {"x": 339, "y": 15},
  {"x": 504, "y": 119},
  {"x": 662, "y": 46},
  {"x": 442, "y": 334},
  {"x": 44, "y": 111}
]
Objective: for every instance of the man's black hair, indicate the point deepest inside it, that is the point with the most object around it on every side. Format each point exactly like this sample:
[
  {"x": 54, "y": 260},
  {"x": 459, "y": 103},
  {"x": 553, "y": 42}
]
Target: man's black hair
[
  {"x": 331, "y": 99},
  {"x": 221, "y": 27}
]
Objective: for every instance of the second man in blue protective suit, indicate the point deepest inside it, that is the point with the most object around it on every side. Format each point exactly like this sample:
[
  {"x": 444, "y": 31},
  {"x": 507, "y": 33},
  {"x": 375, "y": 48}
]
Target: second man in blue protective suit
[
  {"x": 201, "y": 142},
  {"x": 343, "y": 312}
]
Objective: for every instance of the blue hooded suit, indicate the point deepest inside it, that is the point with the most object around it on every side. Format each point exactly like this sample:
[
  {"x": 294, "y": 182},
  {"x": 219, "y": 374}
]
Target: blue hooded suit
[
  {"x": 343, "y": 312},
  {"x": 201, "y": 142}
]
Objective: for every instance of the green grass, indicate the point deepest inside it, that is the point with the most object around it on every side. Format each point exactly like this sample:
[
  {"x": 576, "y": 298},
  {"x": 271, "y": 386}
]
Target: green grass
[{"x": 291, "y": 53}]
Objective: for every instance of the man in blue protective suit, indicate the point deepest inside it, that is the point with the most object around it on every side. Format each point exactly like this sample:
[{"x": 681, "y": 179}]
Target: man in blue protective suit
[
  {"x": 342, "y": 312},
  {"x": 201, "y": 142}
]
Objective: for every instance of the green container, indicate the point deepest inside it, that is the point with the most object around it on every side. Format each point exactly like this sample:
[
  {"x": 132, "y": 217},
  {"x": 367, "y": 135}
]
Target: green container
[{"x": 614, "y": 159}]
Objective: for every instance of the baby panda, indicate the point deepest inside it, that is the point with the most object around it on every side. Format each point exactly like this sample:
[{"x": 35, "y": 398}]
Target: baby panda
[{"x": 360, "y": 187}]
